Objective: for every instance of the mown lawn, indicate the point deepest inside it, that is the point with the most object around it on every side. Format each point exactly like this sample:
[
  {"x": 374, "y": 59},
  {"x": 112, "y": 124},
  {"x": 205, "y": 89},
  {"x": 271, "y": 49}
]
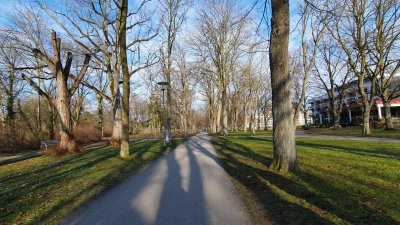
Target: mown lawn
[
  {"x": 339, "y": 181},
  {"x": 44, "y": 190},
  {"x": 241, "y": 133},
  {"x": 348, "y": 131}
]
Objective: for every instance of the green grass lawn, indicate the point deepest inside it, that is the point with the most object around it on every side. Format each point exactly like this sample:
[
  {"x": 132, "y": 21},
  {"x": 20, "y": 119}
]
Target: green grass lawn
[
  {"x": 382, "y": 133},
  {"x": 44, "y": 190},
  {"x": 339, "y": 181},
  {"x": 242, "y": 133},
  {"x": 348, "y": 131}
]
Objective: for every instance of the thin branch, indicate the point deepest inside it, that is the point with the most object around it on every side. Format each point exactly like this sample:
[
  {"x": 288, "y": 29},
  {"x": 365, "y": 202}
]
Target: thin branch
[
  {"x": 80, "y": 75},
  {"x": 38, "y": 89},
  {"x": 30, "y": 68}
]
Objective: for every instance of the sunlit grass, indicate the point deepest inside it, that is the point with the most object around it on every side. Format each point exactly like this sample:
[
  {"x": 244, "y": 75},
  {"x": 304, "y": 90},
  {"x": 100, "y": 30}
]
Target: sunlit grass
[
  {"x": 348, "y": 131},
  {"x": 46, "y": 189},
  {"x": 247, "y": 133},
  {"x": 382, "y": 133},
  {"x": 339, "y": 181}
]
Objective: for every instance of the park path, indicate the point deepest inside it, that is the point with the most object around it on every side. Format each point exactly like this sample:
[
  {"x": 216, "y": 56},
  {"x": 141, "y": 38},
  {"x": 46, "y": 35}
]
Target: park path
[{"x": 186, "y": 186}]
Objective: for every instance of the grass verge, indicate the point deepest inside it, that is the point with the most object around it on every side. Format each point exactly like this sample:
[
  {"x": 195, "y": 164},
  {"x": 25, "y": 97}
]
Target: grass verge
[
  {"x": 339, "y": 181},
  {"x": 46, "y": 189}
]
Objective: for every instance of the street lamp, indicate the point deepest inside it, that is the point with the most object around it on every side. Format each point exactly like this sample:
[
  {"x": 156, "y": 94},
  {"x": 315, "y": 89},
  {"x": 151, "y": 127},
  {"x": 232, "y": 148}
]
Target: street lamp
[{"x": 163, "y": 87}]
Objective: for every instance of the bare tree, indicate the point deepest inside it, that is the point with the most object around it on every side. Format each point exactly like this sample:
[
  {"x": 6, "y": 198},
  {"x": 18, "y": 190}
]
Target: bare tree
[
  {"x": 139, "y": 113},
  {"x": 9, "y": 82},
  {"x": 312, "y": 31},
  {"x": 99, "y": 24},
  {"x": 184, "y": 87},
  {"x": 64, "y": 93},
  {"x": 174, "y": 12},
  {"x": 384, "y": 53},
  {"x": 285, "y": 154},
  {"x": 95, "y": 22},
  {"x": 361, "y": 28},
  {"x": 207, "y": 80},
  {"x": 333, "y": 76},
  {"x": 251, "y": 83},
  {"x": 94, "y": 26},
  {"x": 26, "y": 31},
  {"x": 222, "y": 31}
]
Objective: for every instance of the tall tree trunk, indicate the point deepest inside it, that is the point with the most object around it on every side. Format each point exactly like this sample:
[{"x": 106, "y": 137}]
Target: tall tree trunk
[
  {"x": 124, "y": 152},
  {"x": 218, "y": 121},
  {"x": 386, "y": 113},
  {"x": 366, "y": 105},
  {"x": 51, "y": 122},
  {"x": 63, "y": 103},
  {"x": 117, "y": 119},
  {"x": 366, "y": 114},
  {"x": 224, "y": 122},
  {"x": 236, "y": 119},
  {"x": 212, "y": 122},
  {"x": 254, "y": 122},
  {"x": 185, "y": 117},
  {"x": 285, "y": 155},
  {"x": 246, "y": 121},
  {"x": 100, "y": 113},
  {"x": 300, "y": 105},
  {"x": 10, "y": 115},
  {"x": 169, "y": 90},
  {"x": 67, "y": 142},
  {"x": 388, "y": 117}
]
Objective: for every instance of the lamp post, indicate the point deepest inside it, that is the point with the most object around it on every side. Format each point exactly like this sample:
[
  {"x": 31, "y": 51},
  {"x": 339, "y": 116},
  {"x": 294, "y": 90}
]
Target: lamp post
[{"x": 166, "y": 133}]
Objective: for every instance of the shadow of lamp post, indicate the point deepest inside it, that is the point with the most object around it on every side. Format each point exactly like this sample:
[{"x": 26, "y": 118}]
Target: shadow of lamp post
[{"x": 165, "y": 131}]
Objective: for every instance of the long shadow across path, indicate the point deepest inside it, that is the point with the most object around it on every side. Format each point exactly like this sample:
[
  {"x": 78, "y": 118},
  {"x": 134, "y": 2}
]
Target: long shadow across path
[{"x": 186, "y": 186}]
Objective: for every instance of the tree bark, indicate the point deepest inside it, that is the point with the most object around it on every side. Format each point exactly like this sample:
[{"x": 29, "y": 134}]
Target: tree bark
[
  {"x": 100, "y": 113},
  {"x": 388, "y": 115},
  {"x": 124, "y": 152},
  {"x": 117, "y": 119},
  {"x": 246, "y": 120},
  {"x": 224, "y": 122},
  {"x": 285, "y": 155},
  {"x": 386, "y": 110},
  {"x": 367, "y": 104},
  {"x": 218, "y": 119}
]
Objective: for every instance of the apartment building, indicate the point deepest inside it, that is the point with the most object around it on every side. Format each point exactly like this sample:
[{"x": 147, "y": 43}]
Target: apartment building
[{"x": 322, "y": 111}]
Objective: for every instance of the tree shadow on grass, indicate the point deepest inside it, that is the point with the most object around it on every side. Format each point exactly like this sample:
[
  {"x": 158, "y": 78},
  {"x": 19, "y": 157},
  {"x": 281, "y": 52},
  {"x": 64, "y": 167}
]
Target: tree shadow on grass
[
  {"x": 34, "y": 187},
  {"x": 318, "y": 202},
  {"x": 245, "y": 151},
  {"x": 378, "y": 153}
]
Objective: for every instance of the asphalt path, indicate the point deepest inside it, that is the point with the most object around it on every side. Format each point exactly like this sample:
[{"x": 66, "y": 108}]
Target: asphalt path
[{"x": 186, "y": 186}]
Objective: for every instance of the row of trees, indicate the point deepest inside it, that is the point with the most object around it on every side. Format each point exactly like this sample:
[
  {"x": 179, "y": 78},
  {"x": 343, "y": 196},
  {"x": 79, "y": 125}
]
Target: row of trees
[{"x": 358, "y": 45}]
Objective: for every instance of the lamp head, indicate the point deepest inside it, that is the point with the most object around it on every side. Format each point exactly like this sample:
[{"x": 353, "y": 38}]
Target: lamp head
[{"x": 163, "y": 85}]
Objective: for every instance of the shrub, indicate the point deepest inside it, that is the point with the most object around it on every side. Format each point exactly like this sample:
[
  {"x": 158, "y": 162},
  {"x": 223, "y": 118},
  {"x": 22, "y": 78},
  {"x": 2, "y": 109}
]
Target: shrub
[
  {"x": 87, "y": 134},
  {"x": 15, "y": 139},
  {"x": 52, "y": 150}
]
